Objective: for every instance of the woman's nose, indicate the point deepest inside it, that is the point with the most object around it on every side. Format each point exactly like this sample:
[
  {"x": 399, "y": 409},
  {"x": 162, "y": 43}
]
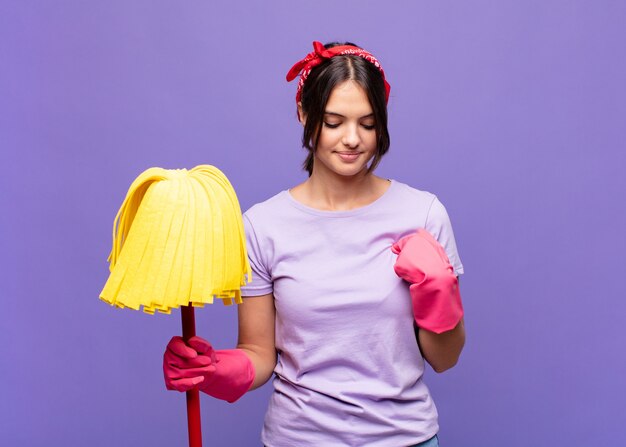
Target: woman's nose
[{"x": 351, "y": 136}]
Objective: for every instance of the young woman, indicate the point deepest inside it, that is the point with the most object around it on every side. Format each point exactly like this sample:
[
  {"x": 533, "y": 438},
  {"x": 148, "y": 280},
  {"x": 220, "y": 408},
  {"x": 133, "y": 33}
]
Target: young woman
[{"x": 347, "y": 268}]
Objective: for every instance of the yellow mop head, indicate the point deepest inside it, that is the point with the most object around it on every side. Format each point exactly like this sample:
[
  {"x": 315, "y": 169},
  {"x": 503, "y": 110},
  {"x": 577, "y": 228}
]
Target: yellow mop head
[{"x": 178, "y": 240}]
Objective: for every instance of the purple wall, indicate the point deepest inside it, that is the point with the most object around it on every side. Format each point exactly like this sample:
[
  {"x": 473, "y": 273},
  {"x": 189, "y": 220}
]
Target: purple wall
[{"x": 513, "y": 113}]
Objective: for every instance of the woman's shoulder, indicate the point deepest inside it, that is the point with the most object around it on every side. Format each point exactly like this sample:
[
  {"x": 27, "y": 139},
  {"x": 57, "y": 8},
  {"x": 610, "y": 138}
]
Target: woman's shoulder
[
  {"x": 404, "y": 191},
  {"x": 428, "y": 202},
  {"x": 275, "y": 202},
  {"x": 270, "y": 213}
]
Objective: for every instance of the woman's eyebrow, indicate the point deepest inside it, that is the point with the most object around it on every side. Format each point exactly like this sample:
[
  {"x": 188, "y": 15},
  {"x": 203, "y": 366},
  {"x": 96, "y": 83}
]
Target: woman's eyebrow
[{"x": 371, "y": 115}]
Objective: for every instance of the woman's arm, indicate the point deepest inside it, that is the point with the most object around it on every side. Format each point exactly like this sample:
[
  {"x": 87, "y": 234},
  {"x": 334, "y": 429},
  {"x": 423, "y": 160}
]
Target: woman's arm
[
  {"x": 442, "y": 351},
  {"x": 256, "y": 335}
]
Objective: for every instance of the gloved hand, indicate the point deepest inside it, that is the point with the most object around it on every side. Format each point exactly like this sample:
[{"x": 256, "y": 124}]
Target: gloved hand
[
  {"x": 434, "y": 288},
  {"x": 183, "y": 367},
  {"x": 224, "y": 374}
]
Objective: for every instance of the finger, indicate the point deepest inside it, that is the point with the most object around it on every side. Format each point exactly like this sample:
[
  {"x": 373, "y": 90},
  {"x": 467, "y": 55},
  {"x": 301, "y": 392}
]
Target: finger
[
  {"x": 186, "y": 384},
  {"x": 201, "y": 360},
  {"x": 412, "y": 275},
  {"x": 173, "y": 372},
  {"x": 200, "y": 345},
  {"x": 198, "y": 362},
  {"x": 178, "y": 347},
  {"x": 410, "y": 264}
]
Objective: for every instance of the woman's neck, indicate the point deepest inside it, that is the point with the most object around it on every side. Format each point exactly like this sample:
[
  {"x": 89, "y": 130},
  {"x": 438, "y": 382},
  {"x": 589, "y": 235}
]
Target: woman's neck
[{"x": 339, "y": 193}]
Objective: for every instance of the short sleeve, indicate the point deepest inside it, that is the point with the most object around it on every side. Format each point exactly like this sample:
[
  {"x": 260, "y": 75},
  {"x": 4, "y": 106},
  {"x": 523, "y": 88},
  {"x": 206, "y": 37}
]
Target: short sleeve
[
  {"x": 261, "y": 283},
  {"x": 438, "y": 224}
]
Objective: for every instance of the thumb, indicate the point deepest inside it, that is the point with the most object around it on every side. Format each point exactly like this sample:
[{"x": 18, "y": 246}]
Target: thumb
[
  {"x": 395, "y": 248},
  {"x": 399, "y": 244}
]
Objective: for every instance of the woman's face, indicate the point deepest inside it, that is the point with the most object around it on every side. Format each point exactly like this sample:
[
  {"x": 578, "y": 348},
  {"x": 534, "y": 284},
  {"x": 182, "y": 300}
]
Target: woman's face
[{"x": 348, "y": 138}]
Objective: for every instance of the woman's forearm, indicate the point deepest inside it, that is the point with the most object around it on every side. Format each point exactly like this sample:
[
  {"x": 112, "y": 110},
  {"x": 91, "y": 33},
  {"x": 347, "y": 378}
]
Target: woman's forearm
[
  {"x": 442, "y": 351},
  {"x": 263, "y": 362}
]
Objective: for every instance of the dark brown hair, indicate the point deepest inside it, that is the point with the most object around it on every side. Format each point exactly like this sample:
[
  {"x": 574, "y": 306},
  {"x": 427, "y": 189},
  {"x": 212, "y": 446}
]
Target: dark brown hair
[{"x": 320, "y": 84}]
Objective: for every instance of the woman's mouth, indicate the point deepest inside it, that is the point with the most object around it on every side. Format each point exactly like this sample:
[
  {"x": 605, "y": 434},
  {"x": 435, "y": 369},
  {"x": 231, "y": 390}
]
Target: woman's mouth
[{"x": 348, "y": 156}]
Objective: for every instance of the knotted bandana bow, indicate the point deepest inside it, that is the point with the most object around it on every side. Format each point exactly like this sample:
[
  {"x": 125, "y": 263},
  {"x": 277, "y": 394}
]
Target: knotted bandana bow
[{"x": 320, "y": 54}]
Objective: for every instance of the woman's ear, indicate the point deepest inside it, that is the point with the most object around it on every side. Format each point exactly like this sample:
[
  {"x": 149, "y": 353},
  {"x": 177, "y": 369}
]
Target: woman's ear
[{"x": 301, "y": 115}]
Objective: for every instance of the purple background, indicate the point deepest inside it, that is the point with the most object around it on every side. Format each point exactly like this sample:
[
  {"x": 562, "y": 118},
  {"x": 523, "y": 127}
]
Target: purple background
[{"x": 513, "y": 113}]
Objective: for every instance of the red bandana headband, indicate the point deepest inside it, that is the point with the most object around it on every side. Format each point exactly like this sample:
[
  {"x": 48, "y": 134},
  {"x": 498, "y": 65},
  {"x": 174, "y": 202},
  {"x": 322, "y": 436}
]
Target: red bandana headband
[{"x": 320, "y": 54}]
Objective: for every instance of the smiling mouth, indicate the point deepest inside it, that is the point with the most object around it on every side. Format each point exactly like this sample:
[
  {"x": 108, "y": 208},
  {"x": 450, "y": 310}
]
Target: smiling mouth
[{"x": 348, "y": 156}]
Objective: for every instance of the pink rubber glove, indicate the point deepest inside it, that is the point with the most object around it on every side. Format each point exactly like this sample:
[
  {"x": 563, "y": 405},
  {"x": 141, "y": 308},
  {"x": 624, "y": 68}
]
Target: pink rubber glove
[
  {"x": 434, "y": 288},
  {"x": 224, "y": 374},
  {"x": 183, "y": 367}
]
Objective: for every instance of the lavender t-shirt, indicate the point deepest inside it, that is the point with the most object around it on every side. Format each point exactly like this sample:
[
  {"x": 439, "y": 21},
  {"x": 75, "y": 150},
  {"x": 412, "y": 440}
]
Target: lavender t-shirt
[{"x": 349, "y": 369}]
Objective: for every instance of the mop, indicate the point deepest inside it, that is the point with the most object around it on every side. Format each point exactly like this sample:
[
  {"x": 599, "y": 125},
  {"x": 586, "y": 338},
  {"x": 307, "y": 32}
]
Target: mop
[{"x": 178, "y": 241}]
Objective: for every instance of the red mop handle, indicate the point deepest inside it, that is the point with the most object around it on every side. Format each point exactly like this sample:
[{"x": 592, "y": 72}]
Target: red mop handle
[{"x": 194, "y": 423}]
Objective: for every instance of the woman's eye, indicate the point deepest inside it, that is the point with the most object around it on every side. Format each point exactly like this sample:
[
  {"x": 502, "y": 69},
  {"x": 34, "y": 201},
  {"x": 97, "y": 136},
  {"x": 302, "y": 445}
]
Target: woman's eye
[
  {"x": 331, "y": 125},
  {"x": 368, "y": 126}
]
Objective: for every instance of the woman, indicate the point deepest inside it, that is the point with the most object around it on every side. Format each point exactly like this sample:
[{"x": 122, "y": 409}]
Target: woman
[{"x": 341, "y": 282}]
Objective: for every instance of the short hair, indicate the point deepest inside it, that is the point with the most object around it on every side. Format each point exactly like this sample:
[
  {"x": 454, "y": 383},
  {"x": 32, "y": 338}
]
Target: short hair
[{"x": 317, "y": 90}]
